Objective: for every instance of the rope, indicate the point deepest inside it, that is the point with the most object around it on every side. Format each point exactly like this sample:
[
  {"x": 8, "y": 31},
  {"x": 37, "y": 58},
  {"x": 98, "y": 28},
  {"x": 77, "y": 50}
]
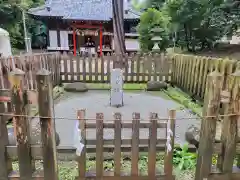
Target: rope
[{"x": 158, "y": 119}]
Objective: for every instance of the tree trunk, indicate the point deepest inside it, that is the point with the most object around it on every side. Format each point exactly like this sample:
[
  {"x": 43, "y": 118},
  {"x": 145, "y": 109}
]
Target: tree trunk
[{"x": 118, "y": 29}]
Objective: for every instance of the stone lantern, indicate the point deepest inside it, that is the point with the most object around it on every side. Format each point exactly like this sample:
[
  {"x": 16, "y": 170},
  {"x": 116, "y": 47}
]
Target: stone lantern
[{"x": 156, "y": 38}]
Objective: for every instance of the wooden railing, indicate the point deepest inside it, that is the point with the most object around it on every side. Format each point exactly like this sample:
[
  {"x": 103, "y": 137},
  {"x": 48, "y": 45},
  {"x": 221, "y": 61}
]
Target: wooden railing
[
  {"x": 30, "y": 64},
  {"x": 136, "y": 67},
  {"x": 190, "y": 72},
  {"x": 26, "y": 152}
]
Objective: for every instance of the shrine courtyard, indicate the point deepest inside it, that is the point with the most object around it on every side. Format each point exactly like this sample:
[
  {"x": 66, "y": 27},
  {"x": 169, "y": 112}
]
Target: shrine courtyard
[{"x": 97, "y": 101}]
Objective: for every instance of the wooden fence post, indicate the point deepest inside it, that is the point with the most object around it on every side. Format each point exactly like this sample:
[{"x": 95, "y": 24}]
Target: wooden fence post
[
  {"x": 168, "y": 159},
  {"x": 6, "y": 164},
  {"x": 208, "y": 126},
  {"x": 135, "y": 143},
  {"x": 229, "y": 130},
  {"x": 20, "y": 108},
  {"x": 82, "y": 159},
  {"x": 45, "y": 102}
]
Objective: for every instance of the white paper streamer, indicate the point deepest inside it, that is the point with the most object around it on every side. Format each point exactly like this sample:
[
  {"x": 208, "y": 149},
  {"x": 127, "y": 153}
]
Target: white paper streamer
[
  {"x": 77, "y": 139},
  {"x": 169, "y": 137}
]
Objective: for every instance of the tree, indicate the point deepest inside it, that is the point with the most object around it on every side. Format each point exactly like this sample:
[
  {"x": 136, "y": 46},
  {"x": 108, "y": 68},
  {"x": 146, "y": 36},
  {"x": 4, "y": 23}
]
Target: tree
[
  {"x": 150, "y": 19},
  {"x": 11, "y": 18},
  {"x": 199, "y": 23},
  {"x": 118, "y": 27}
]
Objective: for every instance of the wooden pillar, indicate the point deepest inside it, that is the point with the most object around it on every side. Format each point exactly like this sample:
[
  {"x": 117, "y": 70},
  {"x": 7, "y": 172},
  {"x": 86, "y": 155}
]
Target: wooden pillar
[
  {"x": 229, "y": 132},
  {"x": 21, "y": 124},
  {"x": 45, "y": 102},
  {"x": 208, "y": 126},
  {"x": 6, "y": 163},
  {"x": 74, "y": 43},
  {"x": 101, "y": 41}
]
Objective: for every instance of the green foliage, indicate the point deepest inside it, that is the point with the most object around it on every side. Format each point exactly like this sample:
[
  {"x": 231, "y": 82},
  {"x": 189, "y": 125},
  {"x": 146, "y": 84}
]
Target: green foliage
[
  {"x": 197, "y": 24},
  {"x": 11, "y": 19},
  {"x": 183, "y": 159},
  {"x": 150, "y": 19}
]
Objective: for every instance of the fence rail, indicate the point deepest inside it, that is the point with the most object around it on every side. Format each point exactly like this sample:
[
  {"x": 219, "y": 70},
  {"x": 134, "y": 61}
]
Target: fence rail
[{"x": 137, "y": 68}]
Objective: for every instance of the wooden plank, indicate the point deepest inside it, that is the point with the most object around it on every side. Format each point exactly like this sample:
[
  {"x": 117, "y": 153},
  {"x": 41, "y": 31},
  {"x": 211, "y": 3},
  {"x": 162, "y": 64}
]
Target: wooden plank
[
  {"x": 206, "y": 71},
  {"x": 16, "y": 78},
  {"x": 126, "y": 67},
  {"x": 96, "y": 71},
  {"x": 78, "y": 67},
  {"x": 135, "y": 144},
  {"x": 208, "y": 127},
  {"x": 138, "y": 62},
  {"x": 200, "y": 78},
  {"x": 90, "y": 70},
  {"x": 45, "y": 104},
  {"x": 152, "y": 145},
  {"x": 132, "y": 63},
  {"x": 82, "y": 159},
  {"x": 117, "y": 143},
  {"x": 168, "y": 160},
  {"x": 65, "y": 66},
  {"x": 84, "y": 68},
  {"x": 99, "y": 145},
  {"x": 102, "y": 68},
  {"x": 72, "y": 62},
  {"x": 108, "y": 67}
]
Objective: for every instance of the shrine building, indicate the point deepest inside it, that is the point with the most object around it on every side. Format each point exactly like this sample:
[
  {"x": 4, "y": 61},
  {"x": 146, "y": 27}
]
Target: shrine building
[{"x": 73, "y": 23}]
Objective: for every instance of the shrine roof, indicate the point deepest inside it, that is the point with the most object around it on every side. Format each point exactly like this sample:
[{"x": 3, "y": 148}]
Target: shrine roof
[{"x": 99, "y": 10}]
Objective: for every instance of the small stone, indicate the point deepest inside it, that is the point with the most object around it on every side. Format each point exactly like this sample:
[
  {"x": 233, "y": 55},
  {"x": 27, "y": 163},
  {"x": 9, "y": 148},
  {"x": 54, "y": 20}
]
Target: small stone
[
  {"x": 156, "y": 85},
  {"x": 76, "y": 87},
  {"x": 192, "y": 135}
]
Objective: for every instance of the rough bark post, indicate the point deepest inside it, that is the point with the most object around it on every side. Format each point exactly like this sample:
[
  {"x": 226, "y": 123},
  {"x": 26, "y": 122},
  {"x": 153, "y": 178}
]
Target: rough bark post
[
  {"x": 230, "y": 123},
  {"x": 20, "y": 108},
  {"x": 6, "y": 164},
  {"x": 45, "y": 102},
  {"x": 118, "y": 31},
  {"x": 208, "y": 126}
]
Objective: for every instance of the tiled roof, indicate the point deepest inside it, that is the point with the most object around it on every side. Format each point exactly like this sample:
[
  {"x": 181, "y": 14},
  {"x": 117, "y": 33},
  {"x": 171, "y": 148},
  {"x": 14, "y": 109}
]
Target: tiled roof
[{"x": 81, "y": 10}]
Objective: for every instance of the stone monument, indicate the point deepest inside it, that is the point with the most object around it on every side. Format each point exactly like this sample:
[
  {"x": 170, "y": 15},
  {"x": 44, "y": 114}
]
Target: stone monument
[{"x": 116, "y": 92}]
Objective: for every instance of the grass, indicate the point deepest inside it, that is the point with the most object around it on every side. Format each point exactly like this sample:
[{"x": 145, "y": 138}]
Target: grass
[
  {"x": 185, "y": 100},
  {"x": 69, "y": 170},
  {"x": 106, "y": 86}
]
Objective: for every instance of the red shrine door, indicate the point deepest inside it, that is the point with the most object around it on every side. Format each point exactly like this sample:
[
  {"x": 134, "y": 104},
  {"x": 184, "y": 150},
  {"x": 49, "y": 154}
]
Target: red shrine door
[{"x": 86, "y": 26}]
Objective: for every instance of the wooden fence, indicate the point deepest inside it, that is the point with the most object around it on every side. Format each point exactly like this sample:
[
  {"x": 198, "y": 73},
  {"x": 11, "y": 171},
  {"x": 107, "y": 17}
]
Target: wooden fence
[
  {"x": 190, "y": 72},
  {"x": 137, "y": 68},
  {"x": 230, "y": 141},
  {"x": 30, "y": 64},
  {"x": 27, "y": 152}
]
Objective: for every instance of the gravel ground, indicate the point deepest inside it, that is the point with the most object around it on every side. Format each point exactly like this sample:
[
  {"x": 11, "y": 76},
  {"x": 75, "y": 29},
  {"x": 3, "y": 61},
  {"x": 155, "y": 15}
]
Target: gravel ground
[{"x": 98, "y": 101}]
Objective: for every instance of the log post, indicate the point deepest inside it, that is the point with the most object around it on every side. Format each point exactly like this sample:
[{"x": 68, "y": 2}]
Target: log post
[
  {"x": 230, "y": 123},
  {"x": 45, "y": 102},
  {"x": 21, "y": 124},
  {"x": 6, "y": 164},
  {"x": 208, "y": 126}
]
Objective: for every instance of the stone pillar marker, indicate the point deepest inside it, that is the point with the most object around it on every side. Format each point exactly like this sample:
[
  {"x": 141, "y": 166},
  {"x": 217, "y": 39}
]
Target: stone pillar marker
[{"x": 116, "y": 92}]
